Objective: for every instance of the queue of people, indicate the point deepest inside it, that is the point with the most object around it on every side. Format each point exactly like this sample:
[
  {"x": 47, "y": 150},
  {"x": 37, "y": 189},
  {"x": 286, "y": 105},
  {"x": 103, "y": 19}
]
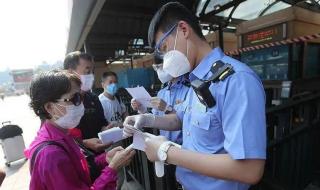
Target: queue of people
[
  {"x": 56, "y": 161},
  {"x": 221, "y": 125}
]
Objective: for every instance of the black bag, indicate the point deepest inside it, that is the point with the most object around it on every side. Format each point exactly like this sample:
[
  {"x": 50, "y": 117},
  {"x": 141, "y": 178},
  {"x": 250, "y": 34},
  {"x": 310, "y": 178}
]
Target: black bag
[
  {"x": 9, "y": 131},
  {"x": 90, "y": 157}
]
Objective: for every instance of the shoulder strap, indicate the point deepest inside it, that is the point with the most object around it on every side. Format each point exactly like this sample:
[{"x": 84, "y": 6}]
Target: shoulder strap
[
  {"x": 186, "y": 83},
  {"x": 163, "y": 85},
  {"x": 39, "y": 148},
  {"x": 220, "y": 71},
  {"x": 85, "y": 150},
  {"x": 118, "y": 98}
]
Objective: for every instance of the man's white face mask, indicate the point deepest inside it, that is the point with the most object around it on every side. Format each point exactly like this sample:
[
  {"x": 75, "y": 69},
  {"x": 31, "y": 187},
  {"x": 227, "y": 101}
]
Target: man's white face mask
[
  {"x": 163, "y": 76},
  {"x": 86, "y": 82},
  {"x": 175, "y": 62}
]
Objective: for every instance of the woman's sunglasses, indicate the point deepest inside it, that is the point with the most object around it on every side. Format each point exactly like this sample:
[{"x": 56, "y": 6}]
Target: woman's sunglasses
[{"x": 76, "y": 99}]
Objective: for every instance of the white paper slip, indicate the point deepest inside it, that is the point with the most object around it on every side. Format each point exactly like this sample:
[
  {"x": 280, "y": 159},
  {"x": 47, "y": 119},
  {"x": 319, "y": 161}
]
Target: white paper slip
[
  {"x": 113, "y": 134},
  {"x": 139, "y": 140},
  {"x": 141, "y": 95}
]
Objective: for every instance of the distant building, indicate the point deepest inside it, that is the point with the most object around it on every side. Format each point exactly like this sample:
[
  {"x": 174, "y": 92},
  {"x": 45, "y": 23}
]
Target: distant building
[{"x": 22, "y": 79}]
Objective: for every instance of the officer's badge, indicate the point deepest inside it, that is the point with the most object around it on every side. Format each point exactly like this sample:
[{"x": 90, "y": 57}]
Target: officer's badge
[{"x": 178, "y": 102}]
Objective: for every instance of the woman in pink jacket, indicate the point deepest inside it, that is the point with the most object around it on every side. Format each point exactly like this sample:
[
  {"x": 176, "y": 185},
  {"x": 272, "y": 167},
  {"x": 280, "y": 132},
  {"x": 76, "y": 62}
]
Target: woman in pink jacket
[{"x": 56, "y": 161}]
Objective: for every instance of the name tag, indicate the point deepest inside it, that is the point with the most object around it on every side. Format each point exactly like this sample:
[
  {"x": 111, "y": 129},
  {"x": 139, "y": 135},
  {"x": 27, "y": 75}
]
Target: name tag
[{"x": 178, "y": 102}]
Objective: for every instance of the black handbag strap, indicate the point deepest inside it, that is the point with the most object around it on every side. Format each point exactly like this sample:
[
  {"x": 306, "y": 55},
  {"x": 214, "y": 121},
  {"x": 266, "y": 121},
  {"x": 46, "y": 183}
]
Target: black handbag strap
[
  {"x": 90, "y": 157},
  {"x": 39, "y": 148},
  {"x": 84, "y": 149}
]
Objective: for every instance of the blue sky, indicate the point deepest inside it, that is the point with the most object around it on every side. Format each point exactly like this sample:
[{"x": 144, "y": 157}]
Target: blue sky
[{"x": 33, "y": 31}]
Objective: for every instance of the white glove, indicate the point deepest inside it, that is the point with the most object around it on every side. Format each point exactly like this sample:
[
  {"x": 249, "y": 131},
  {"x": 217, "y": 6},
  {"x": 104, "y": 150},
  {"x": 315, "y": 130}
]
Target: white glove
[
  {"x": 115, "y": 124},
  {"x": 158, "y": 104},
  {"x": 137, "y": 122},
  {"x": 137, "y": 106}
]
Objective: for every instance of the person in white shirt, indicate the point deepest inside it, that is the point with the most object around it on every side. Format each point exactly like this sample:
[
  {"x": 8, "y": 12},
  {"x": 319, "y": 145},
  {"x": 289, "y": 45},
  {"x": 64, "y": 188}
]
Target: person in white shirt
[{"x": 114, "y": 110}]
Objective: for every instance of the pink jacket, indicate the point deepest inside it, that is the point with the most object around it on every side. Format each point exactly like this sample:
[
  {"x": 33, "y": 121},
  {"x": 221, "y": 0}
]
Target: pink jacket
[{"x": 54, "y": 168}]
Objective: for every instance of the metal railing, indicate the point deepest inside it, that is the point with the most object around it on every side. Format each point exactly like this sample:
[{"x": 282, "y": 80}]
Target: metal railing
[{"x": 293, "y": 159}]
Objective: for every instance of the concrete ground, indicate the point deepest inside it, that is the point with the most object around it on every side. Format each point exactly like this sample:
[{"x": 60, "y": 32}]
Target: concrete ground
[{"x": 16, "y": 110}]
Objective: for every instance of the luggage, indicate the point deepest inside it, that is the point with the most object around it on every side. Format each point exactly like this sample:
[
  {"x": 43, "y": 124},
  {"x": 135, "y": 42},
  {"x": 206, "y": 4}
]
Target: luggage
[{"x": 12, "y": 142}]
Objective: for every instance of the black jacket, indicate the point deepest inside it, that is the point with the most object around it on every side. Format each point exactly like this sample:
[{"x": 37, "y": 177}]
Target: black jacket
[{"x": 93, "y": 119}]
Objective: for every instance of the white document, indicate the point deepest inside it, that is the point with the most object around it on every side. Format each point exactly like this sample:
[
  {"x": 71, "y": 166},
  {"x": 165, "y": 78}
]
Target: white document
[
  {"x": 139, "y": 143},
  {"x": 139, "y": 139},
  {"x": 114, "y": 134},
  {"x": 141, "y": 95}
]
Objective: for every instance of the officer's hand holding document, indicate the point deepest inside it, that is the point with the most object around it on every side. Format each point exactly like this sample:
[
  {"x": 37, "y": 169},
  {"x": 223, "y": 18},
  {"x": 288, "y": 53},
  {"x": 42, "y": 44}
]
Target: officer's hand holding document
[
  {"x": 116, "y": 134},
  {"x": 139, "y": 142},
  {"x": 141, "y": 95}
]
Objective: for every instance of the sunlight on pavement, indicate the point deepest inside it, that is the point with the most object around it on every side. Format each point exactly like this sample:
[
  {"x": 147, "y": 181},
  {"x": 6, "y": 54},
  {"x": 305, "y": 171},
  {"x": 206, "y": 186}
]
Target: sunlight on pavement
[{"x": 17, "y": 110}]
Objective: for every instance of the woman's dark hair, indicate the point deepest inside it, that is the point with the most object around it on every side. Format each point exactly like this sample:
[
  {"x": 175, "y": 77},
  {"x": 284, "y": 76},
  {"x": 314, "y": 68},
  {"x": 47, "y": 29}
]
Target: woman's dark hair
[{"x": 49, "y": 87}]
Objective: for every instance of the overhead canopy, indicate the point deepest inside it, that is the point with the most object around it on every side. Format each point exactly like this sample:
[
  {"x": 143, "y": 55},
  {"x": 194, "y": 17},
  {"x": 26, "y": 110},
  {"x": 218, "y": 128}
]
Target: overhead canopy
[
  {"x": 113, "y": 29},
  {"x": 120, "y": 28},
  {"x": 230, "y": 13}
]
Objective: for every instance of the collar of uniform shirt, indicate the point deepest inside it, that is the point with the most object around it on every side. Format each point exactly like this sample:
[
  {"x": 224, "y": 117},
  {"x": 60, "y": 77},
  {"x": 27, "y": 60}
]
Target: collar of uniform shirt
[
  {"x": 177, "y": 83},
  {"x": 205, "y": 65}
]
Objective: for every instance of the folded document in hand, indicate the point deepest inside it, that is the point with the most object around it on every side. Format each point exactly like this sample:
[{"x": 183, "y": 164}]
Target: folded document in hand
[
  {"x": 139, "y": 138},
  {"x": 141, "y": 95},
  {"x": 114, "y": 134}
]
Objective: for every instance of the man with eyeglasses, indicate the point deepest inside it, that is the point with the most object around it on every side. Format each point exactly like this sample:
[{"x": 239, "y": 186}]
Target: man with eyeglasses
[
  {"x": 169, "y": 100},
  {"x": 223, "y": 117},
  {"x": 93, "y": 120}
]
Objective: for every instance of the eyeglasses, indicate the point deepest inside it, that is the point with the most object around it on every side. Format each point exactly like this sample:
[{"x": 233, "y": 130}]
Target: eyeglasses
[
  {"x": 76, "y": 99},
  {"x": 157, "y": 66},
  {"x": 157, "y": 52}
]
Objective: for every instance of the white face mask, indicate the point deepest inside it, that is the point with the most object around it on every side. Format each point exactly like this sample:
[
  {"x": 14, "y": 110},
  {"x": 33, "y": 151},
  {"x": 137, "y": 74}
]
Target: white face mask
[
  {"x": 86, "y": 82},
  {"x": 176, "y": 63},
  {"x": 163, "y": 76},
  {"x": 72, "y": 117}
]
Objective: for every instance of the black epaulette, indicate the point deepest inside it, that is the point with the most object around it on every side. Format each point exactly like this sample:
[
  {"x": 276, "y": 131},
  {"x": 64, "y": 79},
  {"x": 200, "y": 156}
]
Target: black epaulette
[
  {"x": 186, "y": 83},
  {"x": 164, "y": 85},
  {"x": 220, "y": 71}
]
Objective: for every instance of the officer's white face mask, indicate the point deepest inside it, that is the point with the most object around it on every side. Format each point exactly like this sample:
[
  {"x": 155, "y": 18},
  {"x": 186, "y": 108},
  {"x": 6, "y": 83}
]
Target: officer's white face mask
[
  {"x": 175, "y": 62},
  {"x": 86, "y": 82},
  {"x": 72, "y": 116},
  {"x": 163, "y": 76}
]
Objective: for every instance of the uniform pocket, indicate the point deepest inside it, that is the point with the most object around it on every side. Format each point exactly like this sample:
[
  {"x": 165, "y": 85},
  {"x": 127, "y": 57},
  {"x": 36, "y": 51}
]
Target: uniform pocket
[
  {"x": 206, "y": 132},
  {"x": 200, "y": 120}
]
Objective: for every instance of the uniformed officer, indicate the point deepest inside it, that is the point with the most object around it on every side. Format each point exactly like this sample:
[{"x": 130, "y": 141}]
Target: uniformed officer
[
  {"x": 172, "y": 96},
  {"x": 224, "y": 145},
  {"x": 169, "y": 100}
]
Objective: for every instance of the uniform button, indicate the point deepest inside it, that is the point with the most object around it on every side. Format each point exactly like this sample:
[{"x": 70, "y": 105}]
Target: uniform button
[{"x": 188, "y": 133}]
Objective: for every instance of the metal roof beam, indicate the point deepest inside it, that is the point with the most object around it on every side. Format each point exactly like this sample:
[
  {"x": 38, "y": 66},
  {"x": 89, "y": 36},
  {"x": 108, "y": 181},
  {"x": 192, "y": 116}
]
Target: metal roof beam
[
  {"x": 221, "y": 8},
  {"x": 303, "y": 4},
  {"x": 100, "y": 35}
]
